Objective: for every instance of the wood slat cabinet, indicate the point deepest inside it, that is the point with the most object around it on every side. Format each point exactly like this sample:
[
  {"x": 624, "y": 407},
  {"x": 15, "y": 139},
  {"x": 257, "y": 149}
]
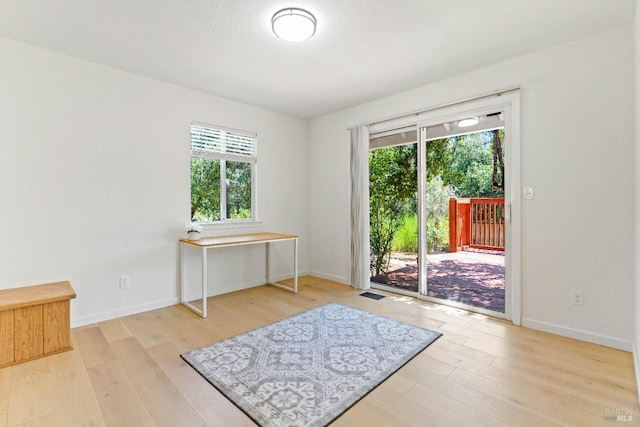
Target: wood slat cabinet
[{"x": 34, "y": 322}]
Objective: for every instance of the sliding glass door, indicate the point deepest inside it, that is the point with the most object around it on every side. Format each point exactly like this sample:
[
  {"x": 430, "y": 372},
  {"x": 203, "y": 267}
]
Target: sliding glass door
[
  {"x": 440, "y": 203},
  {"x": 393, "y": 221},
  {"x": 464, "y": 207}
]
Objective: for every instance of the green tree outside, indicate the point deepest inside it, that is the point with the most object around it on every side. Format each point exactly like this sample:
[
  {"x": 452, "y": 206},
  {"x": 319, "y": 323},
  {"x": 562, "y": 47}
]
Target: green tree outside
[
  {"x": 393, "y": 187},
  {"x": 463, "y": 166},
  {"x": 238, "y": 190},
  {"x": 205, "y": 189}
]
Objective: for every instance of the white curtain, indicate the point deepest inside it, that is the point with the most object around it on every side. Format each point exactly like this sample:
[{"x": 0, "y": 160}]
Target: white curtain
[{"x": 360, "y": 257}]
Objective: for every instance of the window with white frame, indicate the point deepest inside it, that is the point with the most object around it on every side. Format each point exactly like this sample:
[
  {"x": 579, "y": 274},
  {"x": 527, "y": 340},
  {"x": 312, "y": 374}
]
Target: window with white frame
[{"x": 223, "y": 163}]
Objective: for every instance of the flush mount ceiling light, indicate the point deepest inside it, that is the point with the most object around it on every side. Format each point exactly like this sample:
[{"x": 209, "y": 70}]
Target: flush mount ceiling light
[
  {"x": 293, "y": 24},
  {"x": 471, "y": 121}
]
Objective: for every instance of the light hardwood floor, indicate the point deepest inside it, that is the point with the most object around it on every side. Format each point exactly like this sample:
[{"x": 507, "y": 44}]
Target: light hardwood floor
[{"x": 481, "y": 372}]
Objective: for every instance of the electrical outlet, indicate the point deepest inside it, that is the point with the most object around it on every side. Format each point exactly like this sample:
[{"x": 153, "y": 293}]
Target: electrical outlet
[
  {"x": 577, "y": 297},
  {"x": 124, "y": 282}
]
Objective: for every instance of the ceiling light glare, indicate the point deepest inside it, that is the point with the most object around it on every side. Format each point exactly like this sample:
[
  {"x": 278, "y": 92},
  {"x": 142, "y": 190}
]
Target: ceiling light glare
[
  {"x": 293, "y": 24},
  {"x": 471, "y": 121}
]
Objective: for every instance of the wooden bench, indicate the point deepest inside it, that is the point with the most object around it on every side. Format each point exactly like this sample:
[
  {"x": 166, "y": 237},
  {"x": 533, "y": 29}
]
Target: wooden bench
[{"x": 34, "y": 322}]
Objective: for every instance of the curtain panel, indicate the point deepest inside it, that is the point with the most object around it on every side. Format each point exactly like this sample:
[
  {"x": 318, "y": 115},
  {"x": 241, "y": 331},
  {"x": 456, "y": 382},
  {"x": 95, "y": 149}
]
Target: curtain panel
[{"x": 359, "y": 162}]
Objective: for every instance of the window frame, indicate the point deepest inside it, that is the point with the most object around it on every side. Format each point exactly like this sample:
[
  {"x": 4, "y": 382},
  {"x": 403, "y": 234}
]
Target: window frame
[{"x": 248, "y": 154}]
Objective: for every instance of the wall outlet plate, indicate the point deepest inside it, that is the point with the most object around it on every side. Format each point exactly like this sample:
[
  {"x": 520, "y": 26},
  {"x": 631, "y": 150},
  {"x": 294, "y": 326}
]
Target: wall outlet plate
[
  {"x": 577, "y": 297},
  {"x": 124, "y": 282}
]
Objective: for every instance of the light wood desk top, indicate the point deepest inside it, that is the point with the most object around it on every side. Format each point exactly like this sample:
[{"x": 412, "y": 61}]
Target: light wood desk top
[{"x": 238, "y": 239}]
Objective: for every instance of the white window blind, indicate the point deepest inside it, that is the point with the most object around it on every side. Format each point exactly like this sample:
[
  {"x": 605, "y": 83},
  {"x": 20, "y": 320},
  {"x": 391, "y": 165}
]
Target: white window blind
[{"x": 215, "y": 142}]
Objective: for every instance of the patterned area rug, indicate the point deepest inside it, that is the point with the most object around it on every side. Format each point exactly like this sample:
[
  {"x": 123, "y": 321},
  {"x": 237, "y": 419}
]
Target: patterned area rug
[{"x": 308, "y": 369}]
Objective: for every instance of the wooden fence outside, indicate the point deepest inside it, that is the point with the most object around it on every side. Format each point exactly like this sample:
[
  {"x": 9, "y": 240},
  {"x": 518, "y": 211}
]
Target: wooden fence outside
[{"x": 476, "y": 223}]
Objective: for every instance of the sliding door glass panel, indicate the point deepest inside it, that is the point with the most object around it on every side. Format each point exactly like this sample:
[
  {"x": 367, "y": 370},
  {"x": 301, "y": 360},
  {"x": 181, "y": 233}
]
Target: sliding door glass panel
[
  {"x": 464, "y": 211},
  {"x": 393, "y": 204}
]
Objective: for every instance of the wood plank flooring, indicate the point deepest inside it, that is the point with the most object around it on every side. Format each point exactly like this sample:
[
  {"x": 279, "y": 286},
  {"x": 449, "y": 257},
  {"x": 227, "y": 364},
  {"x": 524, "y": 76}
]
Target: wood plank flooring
[{"x": 482, "y": 372}]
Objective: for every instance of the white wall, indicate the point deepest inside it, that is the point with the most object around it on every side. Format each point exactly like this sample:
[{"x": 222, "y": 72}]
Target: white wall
[
  {"x": 636, "y": 44},
  {"x": 578, "y": 155},
  {"x": 94, "y": 181}
]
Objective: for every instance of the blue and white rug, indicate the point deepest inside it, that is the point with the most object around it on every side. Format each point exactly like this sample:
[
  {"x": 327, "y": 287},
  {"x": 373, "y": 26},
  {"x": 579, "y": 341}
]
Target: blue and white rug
[{"x": 308, "y": 369}]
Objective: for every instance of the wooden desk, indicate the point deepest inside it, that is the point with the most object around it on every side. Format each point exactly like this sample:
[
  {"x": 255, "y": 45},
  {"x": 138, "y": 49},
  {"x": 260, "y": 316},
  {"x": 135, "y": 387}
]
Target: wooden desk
[{"x": 225, "y": 242}]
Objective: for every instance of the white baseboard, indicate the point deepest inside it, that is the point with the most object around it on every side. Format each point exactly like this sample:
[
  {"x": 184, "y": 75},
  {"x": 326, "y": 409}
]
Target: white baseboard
[
  {"x": 578, "y": 334},
  {"x": 220, "y": 290},
  {"x": 127, "y": 311},
  {"x": 240, "y": 286},
  {"x": 339, "y": 279},
  {"x": 108, "y": 315}
]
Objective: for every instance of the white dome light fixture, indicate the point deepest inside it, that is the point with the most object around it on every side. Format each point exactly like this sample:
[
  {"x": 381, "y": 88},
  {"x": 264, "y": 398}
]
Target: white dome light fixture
[
  {"x": 471, "y": 121},
  {"x": 293, "y": 24}
]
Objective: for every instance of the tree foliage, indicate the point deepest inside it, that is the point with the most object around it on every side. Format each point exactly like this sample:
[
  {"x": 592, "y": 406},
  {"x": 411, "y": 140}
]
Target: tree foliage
[
  {"x": 497, "y": 147},
  {"x": 205, "y": 190},
  {"x": 437, "y": 217},
  {"x": 238, "y": 190},
  {"x": 392, "y": 186},
  {"x": 469, "y": 165},
  {"x": 437, "y": 213},
  {"x": 206, "y": 177}
]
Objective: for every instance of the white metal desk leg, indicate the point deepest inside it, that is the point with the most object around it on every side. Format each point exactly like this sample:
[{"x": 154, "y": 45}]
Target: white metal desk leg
[
  {"x": 204, "y": 283},
  {"x": 295, "y": 265},
  {"x": 182, "y": 284},
  {"x": 267, "y": 261}
]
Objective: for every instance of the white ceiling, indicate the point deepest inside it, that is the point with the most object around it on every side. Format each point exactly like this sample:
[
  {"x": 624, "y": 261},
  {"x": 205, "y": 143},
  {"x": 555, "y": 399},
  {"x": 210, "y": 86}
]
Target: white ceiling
[{"x": 362, "y": 50}]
